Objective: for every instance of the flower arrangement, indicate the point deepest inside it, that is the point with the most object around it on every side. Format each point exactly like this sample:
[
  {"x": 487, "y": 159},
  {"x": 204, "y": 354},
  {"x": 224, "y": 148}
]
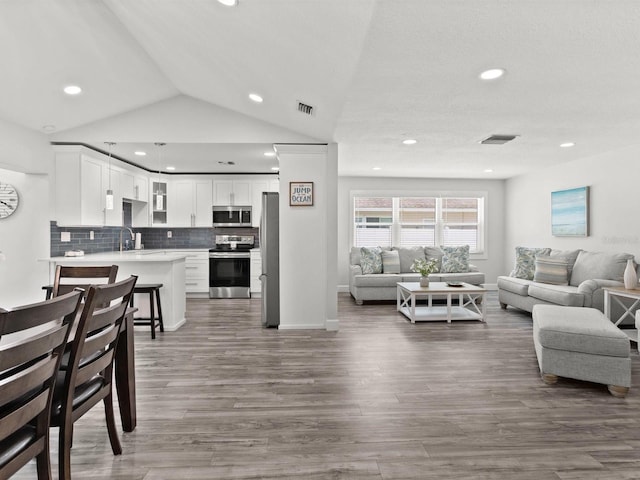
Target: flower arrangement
[{"x": 424, "y": 267}]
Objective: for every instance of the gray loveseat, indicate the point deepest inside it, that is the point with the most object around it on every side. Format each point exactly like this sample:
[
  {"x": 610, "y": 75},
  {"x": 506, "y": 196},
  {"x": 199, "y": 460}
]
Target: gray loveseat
[
  {"x": 587, "y": 274},
  {"x": 382, "y": 286}
]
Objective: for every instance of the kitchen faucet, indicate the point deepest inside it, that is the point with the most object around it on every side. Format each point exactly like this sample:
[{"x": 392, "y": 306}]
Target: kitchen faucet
[{"x": 133, "y": 237}]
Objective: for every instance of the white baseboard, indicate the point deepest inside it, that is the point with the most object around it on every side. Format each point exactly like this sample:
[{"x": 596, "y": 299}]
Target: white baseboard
[
  {"x": 332, "y": 325},
  {"x": 343, "y": 288},
  {"x": 301, "y": 327}
]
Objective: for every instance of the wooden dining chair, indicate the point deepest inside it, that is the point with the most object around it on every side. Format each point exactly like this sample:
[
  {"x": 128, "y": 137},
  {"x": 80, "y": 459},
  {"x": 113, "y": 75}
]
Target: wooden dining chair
[
  {"x": 69, "y": 277},
  {"x": 87, "y": 378},
  {"x": 32, "y": 340}
]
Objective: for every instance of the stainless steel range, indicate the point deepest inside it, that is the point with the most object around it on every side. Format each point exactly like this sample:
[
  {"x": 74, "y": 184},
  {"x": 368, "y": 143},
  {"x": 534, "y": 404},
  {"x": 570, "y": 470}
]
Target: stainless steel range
[{"x": 229, "y": 266}]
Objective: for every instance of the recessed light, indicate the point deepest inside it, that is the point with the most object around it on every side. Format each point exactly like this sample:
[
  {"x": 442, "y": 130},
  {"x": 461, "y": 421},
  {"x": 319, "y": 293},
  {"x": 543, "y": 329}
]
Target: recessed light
[
  {"x": 72, "y": 90},
  {"x": 229, "y": 3},
  {"x": 140, "y": 153},
  {"x": 275, "y": 169},
  {"x": 409, "y": 141},
  {"x": 171, "y": 168},
  {"x": 567, "y": 145},
  {"x": 48, "y": 128},
  {"x": 492, "y": 73},
  {"x": 376, "y": 168},
  {"x": 255, "y": 97},
  {"x": 269, "y": 154},
  {"x": 488, "y": 170}
]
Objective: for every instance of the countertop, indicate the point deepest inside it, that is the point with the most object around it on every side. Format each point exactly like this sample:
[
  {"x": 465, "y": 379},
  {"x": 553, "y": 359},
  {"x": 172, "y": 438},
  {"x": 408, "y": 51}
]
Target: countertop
[{"x": 122, "y": 257}]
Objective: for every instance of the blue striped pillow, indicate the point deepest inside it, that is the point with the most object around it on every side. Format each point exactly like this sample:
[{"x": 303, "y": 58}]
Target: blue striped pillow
[
  {"x": 554, "y": 271},
  {"x": 390, "y": 261}
]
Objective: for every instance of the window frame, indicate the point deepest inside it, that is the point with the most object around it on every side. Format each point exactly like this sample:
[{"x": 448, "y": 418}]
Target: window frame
[{"x": 483, "y": 198}]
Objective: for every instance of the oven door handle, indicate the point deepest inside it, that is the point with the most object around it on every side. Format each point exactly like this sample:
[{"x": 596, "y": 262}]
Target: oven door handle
[{"x": 229, "y": 255}]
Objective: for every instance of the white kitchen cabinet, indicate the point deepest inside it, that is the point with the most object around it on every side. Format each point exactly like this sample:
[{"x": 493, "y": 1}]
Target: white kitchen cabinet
[
  {"x": 196, "y": 270},
  {"x": 191, "y": 203},
  {"x": 127, "y": 185},
  {"x": 141, "y": 188},
  {"x": 79, "y": 191},
  {"x": 255, "y": 272},
  {"x": 232, "y": 192},
  {"x": 159, "y": 207}
]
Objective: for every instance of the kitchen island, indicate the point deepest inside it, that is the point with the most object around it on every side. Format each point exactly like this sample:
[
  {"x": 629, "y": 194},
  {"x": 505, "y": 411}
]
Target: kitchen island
[{"x": 151, "y": 266}]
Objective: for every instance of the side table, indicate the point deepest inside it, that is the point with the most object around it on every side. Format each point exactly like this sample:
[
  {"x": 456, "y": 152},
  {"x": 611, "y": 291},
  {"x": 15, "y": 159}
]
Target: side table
[{"x": 614, "y": 294}]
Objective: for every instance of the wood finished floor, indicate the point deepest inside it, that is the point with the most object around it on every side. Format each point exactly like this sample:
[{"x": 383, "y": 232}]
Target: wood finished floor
[{"x": 222, "y": 398}]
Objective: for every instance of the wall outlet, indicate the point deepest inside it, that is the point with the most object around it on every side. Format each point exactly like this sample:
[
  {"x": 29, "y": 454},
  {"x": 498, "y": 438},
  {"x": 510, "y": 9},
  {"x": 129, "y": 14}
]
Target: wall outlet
[
  {"x": 91, "y": 236},
  {"x": 65, "y": 236},
  {"x": 169, "y": 234}
]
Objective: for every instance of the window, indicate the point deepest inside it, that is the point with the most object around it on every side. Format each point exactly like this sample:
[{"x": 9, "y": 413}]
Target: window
[{"x": 412, "y": 221}]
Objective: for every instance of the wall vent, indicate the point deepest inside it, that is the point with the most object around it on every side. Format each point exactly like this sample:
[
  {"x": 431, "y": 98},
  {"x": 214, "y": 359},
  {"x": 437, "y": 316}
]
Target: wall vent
[
  {"x": 304, "y": 108},
  {"x": 498, "y": 139}
]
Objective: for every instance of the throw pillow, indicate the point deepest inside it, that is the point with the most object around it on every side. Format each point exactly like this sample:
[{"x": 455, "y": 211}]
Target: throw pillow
[
  {"x": 455, "y": 259},
  {"x": 525, "y": 261},
  {"x": 602, "y": 265},
  {"x": 554, "y": 271},
  {"x": 371, "y": 260},
  {"x": 434, "y": 253},
  {"x": 407, "y": 256},
  {"x": 390, "y": 261},
  {"x": 569, "y": 256}
]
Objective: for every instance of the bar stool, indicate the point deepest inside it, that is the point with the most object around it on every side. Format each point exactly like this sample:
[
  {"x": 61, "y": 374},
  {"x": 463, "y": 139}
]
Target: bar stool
[{"x": 153, "y": 289}]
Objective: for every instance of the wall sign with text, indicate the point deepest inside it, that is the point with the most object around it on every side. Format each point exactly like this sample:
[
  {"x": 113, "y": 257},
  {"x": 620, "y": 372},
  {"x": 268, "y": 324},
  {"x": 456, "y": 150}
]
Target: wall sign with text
[{"x": 301, "y": 194}]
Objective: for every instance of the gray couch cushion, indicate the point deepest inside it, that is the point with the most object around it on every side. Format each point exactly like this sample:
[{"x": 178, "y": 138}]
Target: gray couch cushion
[
  {"x": 577, "y": 329},
  {"x": 409, "y": 277},
  {"x": 519, "y": 286},
  {"x": 600, "y": 265},
  {"x": 558, "y": 294},
  {"x": 354, "y": 256},
  {"x": 377, "y": 280},
  {"x": 436, "y": 254},
  {"x": 407, "y": 256}
]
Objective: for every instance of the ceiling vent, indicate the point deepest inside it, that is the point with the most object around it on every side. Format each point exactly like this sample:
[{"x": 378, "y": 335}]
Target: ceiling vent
[
  {"x": 498, "y": 139},
  {"x": 304, "y": 108}
]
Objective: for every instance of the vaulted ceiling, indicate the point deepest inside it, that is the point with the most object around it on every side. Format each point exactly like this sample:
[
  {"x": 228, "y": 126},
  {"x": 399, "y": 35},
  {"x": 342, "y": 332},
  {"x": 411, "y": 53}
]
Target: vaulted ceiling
[{"x": 376, "y": 72}]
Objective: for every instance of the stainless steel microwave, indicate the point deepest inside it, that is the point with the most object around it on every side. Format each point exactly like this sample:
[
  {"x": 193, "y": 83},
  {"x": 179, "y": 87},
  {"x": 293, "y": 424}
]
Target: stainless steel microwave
[{"x": 231, "y": 216}]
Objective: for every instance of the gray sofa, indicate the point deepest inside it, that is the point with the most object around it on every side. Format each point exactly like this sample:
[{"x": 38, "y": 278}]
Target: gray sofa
[
  {"x": 382, "y": 286},
  {"x": 588, "y": 273}
]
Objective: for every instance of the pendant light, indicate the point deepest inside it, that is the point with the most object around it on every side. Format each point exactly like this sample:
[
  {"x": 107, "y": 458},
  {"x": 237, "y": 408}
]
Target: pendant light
[
  {"x": 109, "y": 198},
  {"x": 159, "y": 197}
]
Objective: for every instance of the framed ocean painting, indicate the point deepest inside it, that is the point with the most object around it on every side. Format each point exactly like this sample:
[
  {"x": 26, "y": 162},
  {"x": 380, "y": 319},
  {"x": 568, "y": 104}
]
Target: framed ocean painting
[{"x": 570, "y": 212}]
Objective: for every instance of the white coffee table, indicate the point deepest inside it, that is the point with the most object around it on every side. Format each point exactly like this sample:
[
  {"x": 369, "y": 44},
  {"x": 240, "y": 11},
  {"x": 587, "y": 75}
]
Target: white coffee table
[{"x": 466, "y": 309}]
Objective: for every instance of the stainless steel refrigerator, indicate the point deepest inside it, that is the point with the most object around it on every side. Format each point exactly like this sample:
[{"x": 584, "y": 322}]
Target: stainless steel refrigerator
[{"x": 269, "y": 250}]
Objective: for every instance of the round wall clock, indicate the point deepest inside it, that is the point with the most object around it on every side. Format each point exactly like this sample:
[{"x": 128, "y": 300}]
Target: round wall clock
[{"x": 8, "y": 199}]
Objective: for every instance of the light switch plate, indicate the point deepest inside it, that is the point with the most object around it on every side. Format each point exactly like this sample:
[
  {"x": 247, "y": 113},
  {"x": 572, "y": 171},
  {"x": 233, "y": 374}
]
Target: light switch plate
[
  {"x": 65, "y": 236},
  {"x": 169, "y": 234},
  {"x": 91, "y": 236}
]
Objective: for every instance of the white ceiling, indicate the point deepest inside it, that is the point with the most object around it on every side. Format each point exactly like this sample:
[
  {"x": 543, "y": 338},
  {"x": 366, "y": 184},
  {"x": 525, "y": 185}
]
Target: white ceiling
[{"x": 376, "y": 71}]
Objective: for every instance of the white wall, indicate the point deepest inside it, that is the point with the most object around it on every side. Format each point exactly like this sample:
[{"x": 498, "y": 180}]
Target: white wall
[
  {"x": 492, "y": 265},
  {"x": 308, "y": 239},
  {"x": 613, "y": 179},
  {"x": 24, "y": 236}
]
